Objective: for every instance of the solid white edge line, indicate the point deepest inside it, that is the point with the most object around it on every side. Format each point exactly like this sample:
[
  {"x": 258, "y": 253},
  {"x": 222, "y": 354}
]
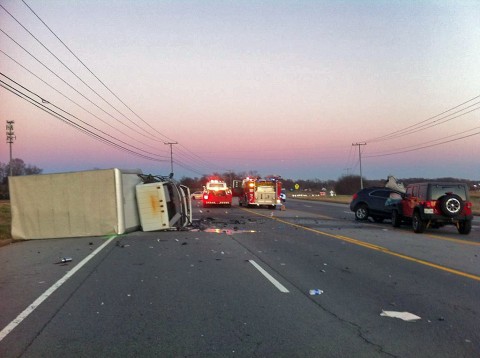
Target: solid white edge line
[
  {"x": 11, "y": 326},
  {"x": 269, "y": 277}
]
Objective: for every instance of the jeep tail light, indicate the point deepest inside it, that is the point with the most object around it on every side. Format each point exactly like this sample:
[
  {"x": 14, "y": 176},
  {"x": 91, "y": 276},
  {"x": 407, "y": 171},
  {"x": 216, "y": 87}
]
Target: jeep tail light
[
  {"x": 430, "y": 204},
  {"x": 467, "y": 210}
]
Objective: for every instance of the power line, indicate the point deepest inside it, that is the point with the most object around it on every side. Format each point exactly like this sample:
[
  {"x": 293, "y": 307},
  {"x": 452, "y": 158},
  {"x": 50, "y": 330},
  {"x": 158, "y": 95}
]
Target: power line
[
  {"x": 72, "y": 123},
  {"x": 69, "y": 85},
  {"x": 69, "y": 69},
  {"x": 93, "y": 74},
  {"x": 183, "y": 152},
  {"x": 432, "y": 124},
  {"x": 65, "y": 96},
  {"x": 413, "y": 128},
  {"x": 422, "y": 146}
]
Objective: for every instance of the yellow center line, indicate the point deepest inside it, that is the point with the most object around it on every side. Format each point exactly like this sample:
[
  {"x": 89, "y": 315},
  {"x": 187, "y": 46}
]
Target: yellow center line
[
  {"x": 374, "y": 247},
  {"x": 458, "y": 241}
]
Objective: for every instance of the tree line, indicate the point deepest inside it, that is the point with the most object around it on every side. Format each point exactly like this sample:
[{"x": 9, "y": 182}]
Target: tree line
[
  {"x": 15, "y": 168},
  {"x": 344, "y": 185}
]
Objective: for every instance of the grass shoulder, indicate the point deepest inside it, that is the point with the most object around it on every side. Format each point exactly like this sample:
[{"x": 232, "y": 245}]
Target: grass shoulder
[{"x": 345, "y": 199}]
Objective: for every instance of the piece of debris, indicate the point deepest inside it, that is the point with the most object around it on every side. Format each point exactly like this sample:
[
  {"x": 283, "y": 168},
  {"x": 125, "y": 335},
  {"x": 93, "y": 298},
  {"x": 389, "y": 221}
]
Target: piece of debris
[
  {"x": 406, "y": 316},
  {"x": 315, "y": 292}
]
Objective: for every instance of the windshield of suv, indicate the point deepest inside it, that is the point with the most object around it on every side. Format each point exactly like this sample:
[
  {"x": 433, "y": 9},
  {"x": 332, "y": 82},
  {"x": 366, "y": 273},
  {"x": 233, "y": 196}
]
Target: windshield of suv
[{"x": 440, "y": 190}]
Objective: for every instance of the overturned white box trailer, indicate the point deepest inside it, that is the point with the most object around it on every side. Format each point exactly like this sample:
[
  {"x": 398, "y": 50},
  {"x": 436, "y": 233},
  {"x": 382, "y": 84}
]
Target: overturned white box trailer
[
  {"x": 163, "y": 204},
  {"x": 76, "y": 204}
]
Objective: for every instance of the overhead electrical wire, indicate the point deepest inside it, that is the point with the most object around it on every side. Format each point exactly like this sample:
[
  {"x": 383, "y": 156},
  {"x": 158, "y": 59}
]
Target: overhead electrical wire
[
  {"x": 73, "y": 124},
  {"x": 68, "y": 98},
  {"x": 422, "y": 146},
  {"x": 94, "y": 75},
  {"x": 85, "y": 123},
  {"x": 180, "y": 153},
  {"x": 73, "y": 73},
  {"x": 423, "y": 124},
  {"x": 437, "y": 122},
  {"x": 68, "y": 84}
]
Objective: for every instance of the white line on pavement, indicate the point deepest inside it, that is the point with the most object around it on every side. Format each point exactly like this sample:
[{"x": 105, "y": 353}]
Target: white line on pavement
[
  {"x": 11, "y": 326},
  {"x": 269, "y": 277}
]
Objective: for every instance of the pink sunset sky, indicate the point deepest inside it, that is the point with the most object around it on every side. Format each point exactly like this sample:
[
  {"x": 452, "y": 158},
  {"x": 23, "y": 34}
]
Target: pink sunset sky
[{"x": 278, "y": 87}]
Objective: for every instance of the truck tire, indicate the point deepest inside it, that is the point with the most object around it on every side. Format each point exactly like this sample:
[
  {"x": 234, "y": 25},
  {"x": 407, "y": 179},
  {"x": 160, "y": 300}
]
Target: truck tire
[
  {"x": 361, "y": 212},
  {"x": 396, "y": 218},
  {"x": 464, "y": 227},
  {"x": 451, "y": 205},
  {"x": 419, "y": 225}
]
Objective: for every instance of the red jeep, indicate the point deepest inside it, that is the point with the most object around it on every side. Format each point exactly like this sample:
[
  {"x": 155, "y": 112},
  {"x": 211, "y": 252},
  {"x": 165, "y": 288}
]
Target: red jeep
[{"x": 434, "y": 204}]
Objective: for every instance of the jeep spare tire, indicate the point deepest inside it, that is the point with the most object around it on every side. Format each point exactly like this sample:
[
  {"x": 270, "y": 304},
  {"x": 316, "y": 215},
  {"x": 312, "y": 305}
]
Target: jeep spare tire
[{"x": 451, "y": 205}]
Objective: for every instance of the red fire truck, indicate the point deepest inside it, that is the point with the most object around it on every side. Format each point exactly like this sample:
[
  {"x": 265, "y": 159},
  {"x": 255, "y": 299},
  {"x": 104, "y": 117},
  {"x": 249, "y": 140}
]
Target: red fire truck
[
  {"x": 259, "y": 192},
  {"x": 216, "y": 192}
]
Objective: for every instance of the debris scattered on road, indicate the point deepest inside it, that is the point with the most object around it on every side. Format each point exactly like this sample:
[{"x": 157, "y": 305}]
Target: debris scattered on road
[
  {"x": 406, "y": 316},
  {"x": 64, "y": 260},
  {"x": 315, "y": 292}
]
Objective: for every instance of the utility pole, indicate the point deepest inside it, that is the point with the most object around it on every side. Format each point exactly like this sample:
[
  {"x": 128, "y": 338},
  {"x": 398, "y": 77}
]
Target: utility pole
[
  {"x": 10, "y": 138},
  {"x": 360, "y": 159},
  {"x": 171, "y": 155}
]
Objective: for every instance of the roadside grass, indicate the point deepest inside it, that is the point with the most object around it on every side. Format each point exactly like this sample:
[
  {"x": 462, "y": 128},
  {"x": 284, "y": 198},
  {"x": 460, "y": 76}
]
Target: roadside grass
[
  {"x": 6, "y": 216},
  {"x": 5, "y": 220}
]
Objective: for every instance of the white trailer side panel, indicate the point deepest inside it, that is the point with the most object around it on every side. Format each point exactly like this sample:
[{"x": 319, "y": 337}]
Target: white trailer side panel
[{"x": 71, "y": 204}]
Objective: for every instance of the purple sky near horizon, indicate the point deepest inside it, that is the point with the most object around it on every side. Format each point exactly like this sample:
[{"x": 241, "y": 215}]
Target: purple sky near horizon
[{"x": 278, "y": 87}]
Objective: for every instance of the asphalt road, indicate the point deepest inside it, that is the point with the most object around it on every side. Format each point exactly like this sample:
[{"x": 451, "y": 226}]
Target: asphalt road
[{"x": 239, "y": 284}]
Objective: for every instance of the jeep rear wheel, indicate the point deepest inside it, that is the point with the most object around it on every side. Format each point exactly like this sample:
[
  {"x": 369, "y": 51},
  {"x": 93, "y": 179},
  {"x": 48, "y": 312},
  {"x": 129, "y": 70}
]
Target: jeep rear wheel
[
  {"x": 361, "y": 212},
  {"x": 418, "y": 224},
  {"x": 451, "y": 205},
  {"x": 464, "y": 227}
]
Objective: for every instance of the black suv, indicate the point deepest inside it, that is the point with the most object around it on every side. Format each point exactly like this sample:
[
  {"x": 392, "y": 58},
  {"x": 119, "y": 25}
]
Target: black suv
[
  {"x": 372, "y": 202},
  {"x": 434, "y": 204}
]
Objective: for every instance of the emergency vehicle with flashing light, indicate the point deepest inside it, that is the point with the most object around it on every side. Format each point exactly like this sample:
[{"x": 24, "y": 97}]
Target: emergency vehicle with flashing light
[
  {"x": 216, "y": 192},
  {"x": 259, "y": 192}
]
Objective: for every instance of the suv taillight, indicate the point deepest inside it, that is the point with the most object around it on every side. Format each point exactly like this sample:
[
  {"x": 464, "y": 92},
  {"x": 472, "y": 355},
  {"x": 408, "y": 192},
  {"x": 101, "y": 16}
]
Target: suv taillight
[
  {"x": 354, "y": 196},
  {"x": 430, "y": 204}
]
